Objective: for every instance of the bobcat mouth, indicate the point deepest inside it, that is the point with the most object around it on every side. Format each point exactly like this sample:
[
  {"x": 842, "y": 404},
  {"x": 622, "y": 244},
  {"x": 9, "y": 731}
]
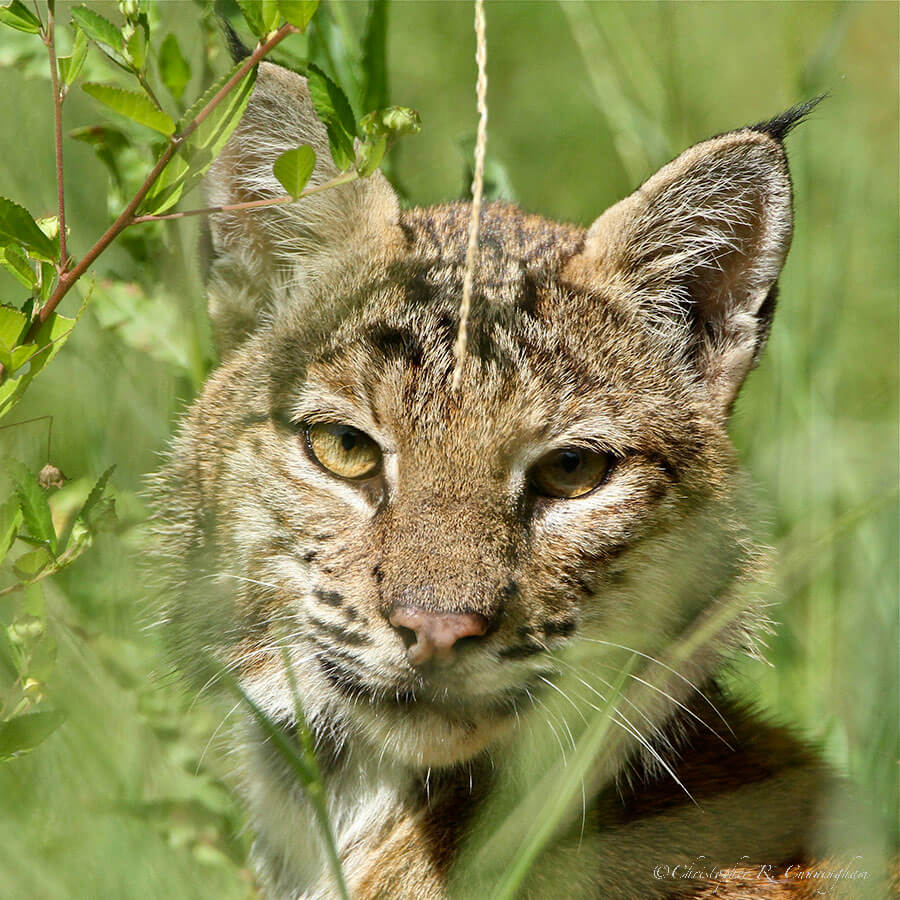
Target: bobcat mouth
[{"x": 407, "y": 698}]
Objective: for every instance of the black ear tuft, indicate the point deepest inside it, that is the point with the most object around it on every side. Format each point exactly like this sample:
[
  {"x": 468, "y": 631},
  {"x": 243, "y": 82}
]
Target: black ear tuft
[
  {"x": 781, "y": 125},
  {"x": 236, "y": 47}
]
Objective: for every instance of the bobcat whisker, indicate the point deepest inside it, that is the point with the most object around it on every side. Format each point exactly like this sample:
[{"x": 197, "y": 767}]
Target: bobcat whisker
[
  {"x": 212, "y": 737},
  {"x": 668, "y": 668}
]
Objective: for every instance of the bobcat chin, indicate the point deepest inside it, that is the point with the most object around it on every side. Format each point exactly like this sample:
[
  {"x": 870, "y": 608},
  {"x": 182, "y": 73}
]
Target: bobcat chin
[{"x": 463, "y": 577}]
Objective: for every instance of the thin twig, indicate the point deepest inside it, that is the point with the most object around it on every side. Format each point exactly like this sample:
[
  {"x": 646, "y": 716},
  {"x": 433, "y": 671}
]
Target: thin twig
[
  {"x": 343, "y": 178},
  {"x": 459, "y": 350},
  {"x": 50, "y": 41},
  {"x": 68, "y": 278},
  {"x": 142, "y": 81}
]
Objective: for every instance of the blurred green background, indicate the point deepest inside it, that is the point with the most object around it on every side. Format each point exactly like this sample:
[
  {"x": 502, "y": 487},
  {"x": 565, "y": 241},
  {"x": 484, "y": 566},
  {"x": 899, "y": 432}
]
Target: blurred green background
[{"x": 128, "y": 798}]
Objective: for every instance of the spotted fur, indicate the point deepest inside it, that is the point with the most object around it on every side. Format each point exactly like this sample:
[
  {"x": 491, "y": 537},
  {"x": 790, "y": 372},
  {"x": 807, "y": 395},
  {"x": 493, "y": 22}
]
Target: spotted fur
[{"x": 631, "y": 338}]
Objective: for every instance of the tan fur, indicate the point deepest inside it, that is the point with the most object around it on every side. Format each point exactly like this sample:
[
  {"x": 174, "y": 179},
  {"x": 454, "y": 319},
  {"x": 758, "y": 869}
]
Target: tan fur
[{"x": 631, "y": 338}]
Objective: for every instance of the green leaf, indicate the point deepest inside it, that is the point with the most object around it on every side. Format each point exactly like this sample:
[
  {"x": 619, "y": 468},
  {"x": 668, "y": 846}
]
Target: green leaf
[
  {"x": 70, "y": 66},
  {"x": 29, "y": 565},
  {"x": 341, "y": 146},
  {"x": 20, "y": 17},
  {"x": 48, "y": 341},
  {"x": 16, "y": 263},
  {"x": 293, "y": 169},
  {"x": 24, "y": 733},
  {"x": 17, "y": 227},
  {"x": 251, "y": 10},
  {"x": 92, "y": 506},
  {"x": 374, "y": 63},
  {"x": 102, "y": 32},
  {"x": 174, "y": 69},
  {"x": 12, "y": 324},
  {"x": 329, "y": 100},
  {"x": 137, "y": 49},
  {"x": 334, "y": 110},
  {"x": 370, "y": 154},
  {"x": 10, "y": 520},
  {"x": 196, "y": 155},
  {"x": 298, "y": 12},
  {"x": 271, "y": 17},
  {"x": 137, "y": 107},
  {"x": 35, "y": 509}
]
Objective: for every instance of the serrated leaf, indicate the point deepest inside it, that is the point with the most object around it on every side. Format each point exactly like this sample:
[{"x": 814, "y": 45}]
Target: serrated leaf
[
  {"x": 102, "y": 32},
  {"x": 16, "y": 263},
  {"x": 174, "y": 69},
  {"x": 136, "y": 49},
  {"x": 33, "y": 501},
  {"x": 33, "y": 504},
  {"x": 137, "y": 107},
  {"x": 298, "y": 12},
  {"x": 341, "y": 146},
  {"x": 252, "y": 13},
  {"x": 334, "y": 110},
  {"x": 294, "y": 168},
  {"x": 17, "y": 15},
  {"x": 96, "y": 495},
  {"x": 12, "y": 324},
  {"x": 24, "y": 733},
  {"x": 196, "y": 155},
  {"x": 17, "y": 227},
  {"x": 10, "y": 520},
  {"x": 48, "y": 341},
  {"x": 70, "y": 66},
  {"x": 29, "y": 565}
]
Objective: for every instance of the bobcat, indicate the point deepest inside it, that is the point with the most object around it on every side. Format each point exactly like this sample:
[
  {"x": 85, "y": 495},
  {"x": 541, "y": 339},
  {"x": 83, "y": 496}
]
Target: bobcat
[{"x": 462, "y": 573}]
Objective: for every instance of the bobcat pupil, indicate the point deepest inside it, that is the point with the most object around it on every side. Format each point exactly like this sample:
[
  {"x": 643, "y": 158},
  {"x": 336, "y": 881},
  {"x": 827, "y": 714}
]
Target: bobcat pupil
[
  {"x": 569, "y": 460},
  {"x": 348, "y": 441}
]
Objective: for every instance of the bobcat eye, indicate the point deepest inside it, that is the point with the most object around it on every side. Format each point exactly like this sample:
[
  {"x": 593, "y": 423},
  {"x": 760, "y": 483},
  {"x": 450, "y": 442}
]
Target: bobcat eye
[
  {"x": 570, "y": 472},
  {"x": 344, "y": 451}
]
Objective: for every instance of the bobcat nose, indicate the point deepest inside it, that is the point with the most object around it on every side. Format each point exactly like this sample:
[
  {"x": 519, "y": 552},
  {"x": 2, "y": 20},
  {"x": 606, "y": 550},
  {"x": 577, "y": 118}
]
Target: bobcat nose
[{"x": 431, "y": 635}]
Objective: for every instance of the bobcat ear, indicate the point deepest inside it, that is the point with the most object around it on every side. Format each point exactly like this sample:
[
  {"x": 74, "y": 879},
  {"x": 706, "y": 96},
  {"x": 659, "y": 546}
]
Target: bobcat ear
[
  {"x": 698, "y": 248},
  {"x": 266, "y": 259}
]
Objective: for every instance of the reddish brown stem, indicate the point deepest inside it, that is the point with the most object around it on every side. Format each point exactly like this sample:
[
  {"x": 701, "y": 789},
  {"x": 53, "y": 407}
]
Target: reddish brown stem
[
  {"x": 250, "y": 204},
  {"x": 50, "y": 40},
  {"x": 68, "y": 278}
]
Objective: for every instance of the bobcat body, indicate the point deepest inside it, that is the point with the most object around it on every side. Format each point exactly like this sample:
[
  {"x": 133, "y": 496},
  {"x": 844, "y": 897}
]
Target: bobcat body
[{"x": 462, "y": 574}]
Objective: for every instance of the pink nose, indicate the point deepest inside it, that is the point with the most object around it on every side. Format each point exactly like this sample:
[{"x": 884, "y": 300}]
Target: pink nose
[{"x": 435, "y": 633}]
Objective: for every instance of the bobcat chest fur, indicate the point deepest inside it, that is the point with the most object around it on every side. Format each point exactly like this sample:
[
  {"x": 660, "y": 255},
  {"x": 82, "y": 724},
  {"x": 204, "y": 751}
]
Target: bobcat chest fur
[{"x": 464, "y": 579}]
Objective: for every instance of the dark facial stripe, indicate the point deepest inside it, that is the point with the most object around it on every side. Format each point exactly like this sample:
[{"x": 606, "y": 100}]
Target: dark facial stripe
[
  {"x": 341, "y": 678},
  {"x": 520, "y": 651},
  {"x": 344, "y": 635},
  {"x": 559, "y": 629},
  {"x": 330, "y": 598},
  {"x": 334, "y": 652}
]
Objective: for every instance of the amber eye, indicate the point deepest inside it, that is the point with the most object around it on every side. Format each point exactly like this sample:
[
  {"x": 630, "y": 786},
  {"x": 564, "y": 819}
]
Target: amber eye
[
  {"x": 344, "y": 451},
  {"x": 570, "y": 472}
]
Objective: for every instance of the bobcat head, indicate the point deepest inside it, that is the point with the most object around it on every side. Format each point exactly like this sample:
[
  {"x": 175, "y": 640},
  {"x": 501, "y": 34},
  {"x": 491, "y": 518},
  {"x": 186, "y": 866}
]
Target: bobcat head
[{"x": 437, "y": 559}]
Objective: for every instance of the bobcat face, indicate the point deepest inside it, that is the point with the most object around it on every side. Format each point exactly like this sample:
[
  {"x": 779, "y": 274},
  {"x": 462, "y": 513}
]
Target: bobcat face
[{"x": 427, "y": 555}]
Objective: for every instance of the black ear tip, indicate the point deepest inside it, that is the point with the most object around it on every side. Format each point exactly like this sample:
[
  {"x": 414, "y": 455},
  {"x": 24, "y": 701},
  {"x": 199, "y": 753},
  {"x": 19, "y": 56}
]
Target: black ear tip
[
  {"x": 236, "y": 47},
  {"x": 781, "y": 125}
]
